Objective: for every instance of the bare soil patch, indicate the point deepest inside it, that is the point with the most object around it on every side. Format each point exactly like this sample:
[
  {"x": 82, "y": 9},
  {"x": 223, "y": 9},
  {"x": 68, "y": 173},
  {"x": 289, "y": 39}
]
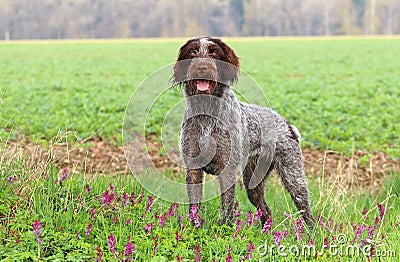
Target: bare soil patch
[{"x": 361, "y": 169}]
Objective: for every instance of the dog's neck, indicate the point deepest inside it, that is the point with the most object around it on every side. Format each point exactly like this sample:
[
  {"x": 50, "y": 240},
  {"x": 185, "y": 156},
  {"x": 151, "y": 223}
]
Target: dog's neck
[{"x": 211, "y": 105}]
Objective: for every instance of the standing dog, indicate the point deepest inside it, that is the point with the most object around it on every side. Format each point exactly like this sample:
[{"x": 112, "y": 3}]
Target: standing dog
[{"x": 222, "y": 136}]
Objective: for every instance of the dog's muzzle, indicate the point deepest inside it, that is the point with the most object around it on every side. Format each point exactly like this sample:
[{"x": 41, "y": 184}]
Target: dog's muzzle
[{"x": 202, "y": 74}]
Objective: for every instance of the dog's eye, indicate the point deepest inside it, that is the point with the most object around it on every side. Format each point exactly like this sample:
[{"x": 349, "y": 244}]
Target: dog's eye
[
  {"x": 214, "y": 54},
  {"x": 192, "y": 54}
]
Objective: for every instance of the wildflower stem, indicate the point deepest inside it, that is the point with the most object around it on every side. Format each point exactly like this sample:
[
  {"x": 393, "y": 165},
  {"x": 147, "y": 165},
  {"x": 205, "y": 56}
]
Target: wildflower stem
[{"x": 38, "y": 251}]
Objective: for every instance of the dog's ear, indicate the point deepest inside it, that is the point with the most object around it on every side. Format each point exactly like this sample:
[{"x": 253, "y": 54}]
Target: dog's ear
[
  {"x": 230, "y": 73},
  {"x": 182, "y": 63},
  {"x": 180, "y": 72}
]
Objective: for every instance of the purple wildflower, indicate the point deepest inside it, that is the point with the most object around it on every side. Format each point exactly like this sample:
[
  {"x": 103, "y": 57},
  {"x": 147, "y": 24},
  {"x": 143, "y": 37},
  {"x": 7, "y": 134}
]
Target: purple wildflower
[
  {"x": 311, "y": 241},
  {"x": 92, "y": 213},
  {"x": 341, "y": 227},
  {"x": 178, "y": 236},
  {"x": 180, "y": 222},
  {"x": 364, "y": 212},
  {"x": 63, "y": 175},
  {"x": 363, "y": 242},
  {"x": 128, "y": 221},
  {"x": 335, "y": 228},
  {"x": 236, "y": 211},
  {"x": 267, "y": 226},
  {"x": 148, "y": 229},
  {"x": 149, "y": 203},
  {"x": 250, "y": 249},
  {"x": 238, "y": 227},
  {"x": 287, "y": 215},
  {"x": 163, "y": 218},
  {"x": 140, "y": 199},
  {"x": 129, "y": 249},
  {"x": 229, "y": 256},
  {"x": 194, "y": 216},
  {"x": 99, "y": 253},
  {"x": 111, "y": 187},
  {"x": 326, "y": 242},
  {"x": 277, "y": 238},
  {"x": 371, "y": 231},
  {"x": 299, "y": 229},
  {"x": 125, "y": 197},
  {"x": 197, "y": 252},
  {"x": 358, "y": 233},
  {"x": 107, "y": 198},
  {"x": 155, "y": 244},
  {"x": 329, "y": 224},
  {"x": 257, "y": 216},
  {"x": 132, "y": 199},
  {"x": 249, "y": 218},
  {"x": 320, "y": 221},
  {"x": 89, "y": 229},
  {"x": 88, "y": 189},
  {"x": 376, "y": 220},
  {"x": 37, "y": 230},
  {"x": 111, "y": 243},
  {"x": 381, "y": 210},
  {"x": 172, "y": 208},
  {"x": 10, "y": 179},
  {"x": 179, "y": 258}
]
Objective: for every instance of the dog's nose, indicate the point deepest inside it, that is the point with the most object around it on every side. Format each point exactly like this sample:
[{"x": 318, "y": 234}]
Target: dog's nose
[{"x": 202, "y": 68}]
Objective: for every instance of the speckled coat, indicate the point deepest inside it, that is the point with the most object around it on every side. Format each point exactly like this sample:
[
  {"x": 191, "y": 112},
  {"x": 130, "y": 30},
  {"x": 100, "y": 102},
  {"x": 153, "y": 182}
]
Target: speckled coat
[{"x": 222, "y": 136}]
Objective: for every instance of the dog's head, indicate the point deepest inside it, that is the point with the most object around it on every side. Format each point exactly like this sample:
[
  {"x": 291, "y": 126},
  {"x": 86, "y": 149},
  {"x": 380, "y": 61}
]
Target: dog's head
[{"x": 205, "y": 65}]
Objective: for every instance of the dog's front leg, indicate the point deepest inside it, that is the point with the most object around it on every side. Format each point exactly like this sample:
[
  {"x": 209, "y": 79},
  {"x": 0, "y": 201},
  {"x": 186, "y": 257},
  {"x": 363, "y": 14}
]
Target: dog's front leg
[
  {"x": 227, "y": 186},
  {"x": 194, "y": 184}
]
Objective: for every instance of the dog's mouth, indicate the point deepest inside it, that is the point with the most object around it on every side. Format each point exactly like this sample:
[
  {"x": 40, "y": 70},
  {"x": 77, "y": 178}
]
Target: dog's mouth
[{"x": 203, "y": 85}]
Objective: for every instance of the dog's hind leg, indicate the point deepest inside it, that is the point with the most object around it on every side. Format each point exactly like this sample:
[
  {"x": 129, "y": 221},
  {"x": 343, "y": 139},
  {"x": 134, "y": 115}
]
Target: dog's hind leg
[
  {"x": 255, "y": 192},
  {"x": 289, "y": 164}
]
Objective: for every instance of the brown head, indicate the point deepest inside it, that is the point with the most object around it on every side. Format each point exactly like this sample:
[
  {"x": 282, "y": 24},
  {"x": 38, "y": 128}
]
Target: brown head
[{"x": 205, "y": 65}]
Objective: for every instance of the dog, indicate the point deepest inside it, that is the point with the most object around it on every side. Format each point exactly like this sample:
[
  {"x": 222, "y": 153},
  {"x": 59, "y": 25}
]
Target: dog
[{"x": 222, "y": 136}]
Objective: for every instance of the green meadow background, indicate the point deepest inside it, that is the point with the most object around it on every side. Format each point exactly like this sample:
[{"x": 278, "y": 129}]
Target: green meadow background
[{"x": 340, "y": 93}]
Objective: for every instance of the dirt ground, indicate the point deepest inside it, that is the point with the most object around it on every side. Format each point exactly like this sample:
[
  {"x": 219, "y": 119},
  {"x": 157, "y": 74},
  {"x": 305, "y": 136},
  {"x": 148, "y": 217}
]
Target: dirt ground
[{"x": 360, "y": 170}]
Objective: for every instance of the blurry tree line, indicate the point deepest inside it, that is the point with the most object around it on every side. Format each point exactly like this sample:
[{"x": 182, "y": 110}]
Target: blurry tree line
[{"x": 49, "y": 19}]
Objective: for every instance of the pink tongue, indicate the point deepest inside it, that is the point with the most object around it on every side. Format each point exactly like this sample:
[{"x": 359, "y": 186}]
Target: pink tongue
[{"x": 202, "y": 85}]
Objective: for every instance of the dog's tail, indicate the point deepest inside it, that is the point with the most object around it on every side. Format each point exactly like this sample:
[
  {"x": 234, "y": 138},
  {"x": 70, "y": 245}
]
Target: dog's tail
[{"x": 295, "y": 133}]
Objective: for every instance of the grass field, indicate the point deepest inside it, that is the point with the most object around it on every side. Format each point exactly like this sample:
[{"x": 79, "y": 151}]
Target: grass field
[
  {"x": 337, "y": 92},
  {"x": 342, "y": 94}
]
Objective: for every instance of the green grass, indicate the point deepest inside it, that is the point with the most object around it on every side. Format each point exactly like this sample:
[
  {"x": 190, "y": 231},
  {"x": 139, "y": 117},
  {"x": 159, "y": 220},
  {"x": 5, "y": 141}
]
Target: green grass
[
  {"x": 337, "y": 92},
  {"x": 63, "y": 209}
]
